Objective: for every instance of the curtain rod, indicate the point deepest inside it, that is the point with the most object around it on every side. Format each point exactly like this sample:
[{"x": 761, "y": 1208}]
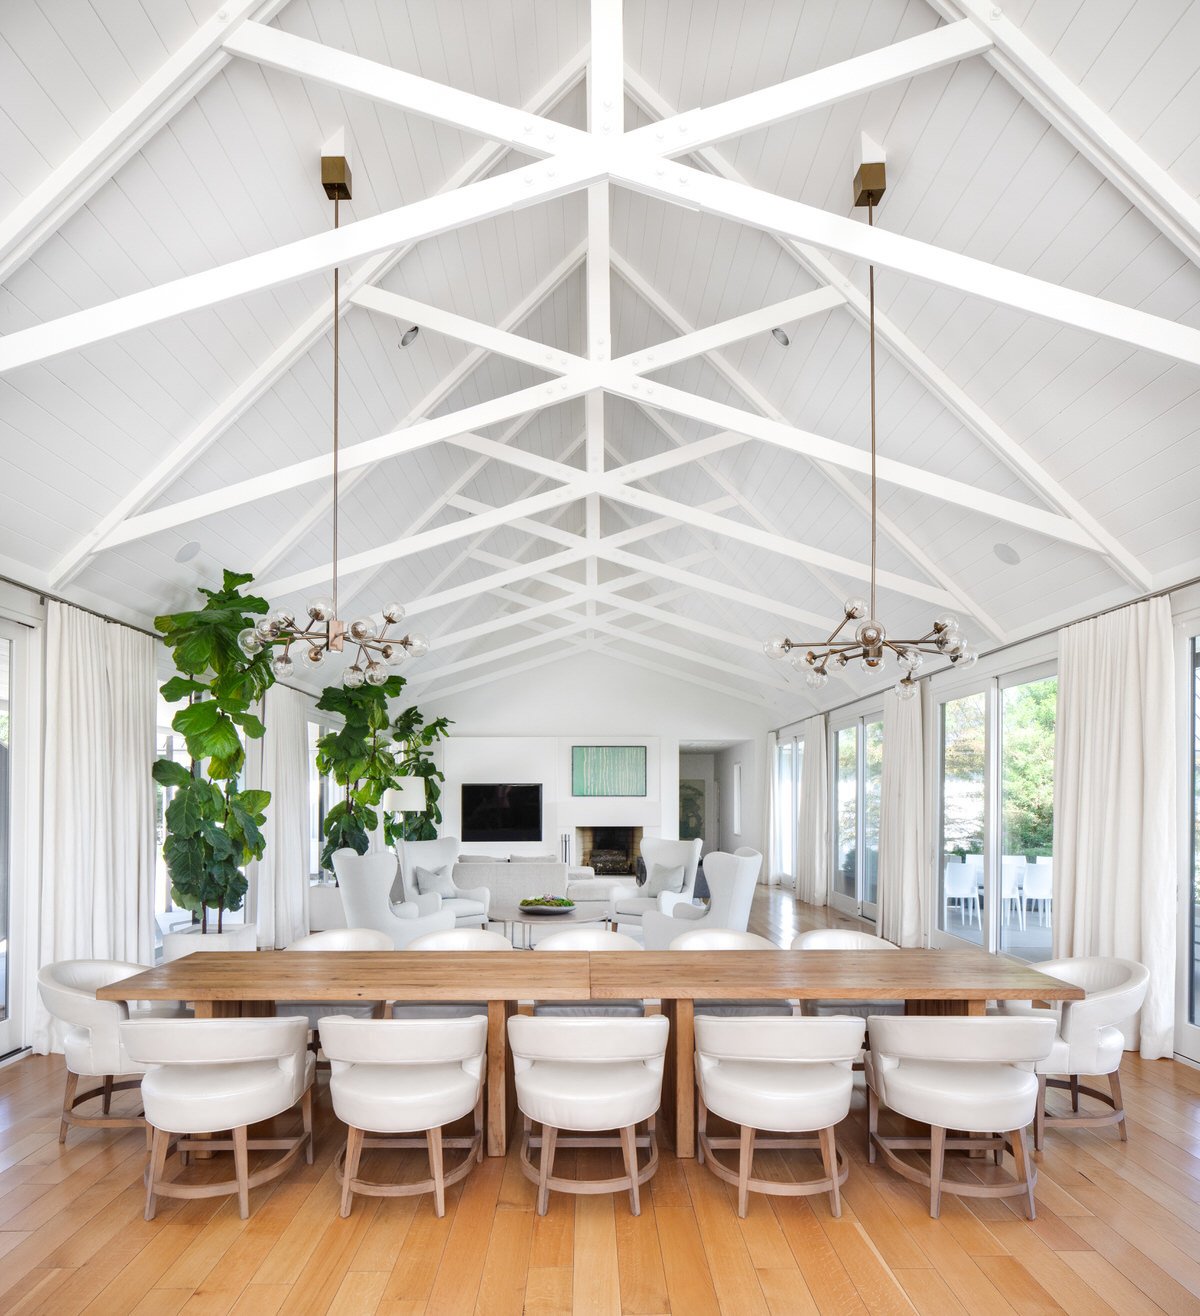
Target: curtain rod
[{"x": 1013, "y": 644}]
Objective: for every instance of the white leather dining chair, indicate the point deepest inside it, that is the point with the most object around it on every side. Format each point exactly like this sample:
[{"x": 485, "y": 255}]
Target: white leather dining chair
[
  {"x": 845, "y": 939},
  {"x": 732, "y": 879},
  {"x": 1088, "y": 1037},
  {"x": 92, "y": 1044},
  {"x": 784, "y": 1077},
  {"x": 957, "y": 1073},
  {"x": 717, "y": 939},
  {"x": 450, "y": 939},
  {"x": 588, "y": 1076},
  {"x": 333, "y": 940},
  {"x": 588, "y": 939},
  {"x": 395, "y": 1077},
  {"x": 216, "y": 1075},
  {"x": 469, "y": 905},
  {"x": 628, "y": 903},
  {"x": 366, "y": 881}
]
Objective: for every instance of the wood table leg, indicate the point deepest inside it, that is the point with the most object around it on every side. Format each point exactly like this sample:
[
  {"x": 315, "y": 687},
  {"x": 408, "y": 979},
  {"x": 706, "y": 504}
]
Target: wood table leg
[
  {"x": 974, "y": 1008},
  {"x": 500, "y": 1089},
  {"x": 681, "y": 1073}
]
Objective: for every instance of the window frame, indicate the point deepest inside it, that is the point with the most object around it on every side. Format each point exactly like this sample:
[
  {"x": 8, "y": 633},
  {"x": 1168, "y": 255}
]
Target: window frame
[{"x": 858, "y": 716}]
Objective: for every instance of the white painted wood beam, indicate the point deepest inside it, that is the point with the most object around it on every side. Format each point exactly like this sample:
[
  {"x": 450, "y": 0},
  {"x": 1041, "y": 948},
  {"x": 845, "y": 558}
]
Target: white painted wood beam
[
  {"x": 498, "y": 450},
  {"x": 315, "y": 62},
  {"x": 812, "y": 91},
  {"x": 919, "y": 364},
  {"x": 465, "y": 330},
  {"x": 683, "y": 185},
  {"x": 1088, "y": 128},
  {"x": 571, "y": 626},
  {"x": 123, "y": 133},
  {"x": 486, "y": 584},
  {"x": 692, "y": 656}
]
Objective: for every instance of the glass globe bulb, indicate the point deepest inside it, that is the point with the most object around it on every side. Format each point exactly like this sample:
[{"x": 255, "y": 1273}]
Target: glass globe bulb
[
  {"x": 265, "y": 630},
  {"x": 321, "y": 609},
  {"x": 800, "y": 662},
  {"x": 393, "y": 612},
  {"x": 855, "y": 607},
  {"x": 316, "y": 655},
  {"x": 362, "y": 628},
  {"x": 817, "y": 678},
  {"x": 248, "y": 642},
  {"x": 387, "y": 654},
  {"x": 416, "y": 645},
  {"x": 967, "y": 658},
  {"x": 871, "y": 664},
  {"x": 353, "y": 677},
  {"x": 281, "y": 619},
  {"x": 905, "y": 689},
  {"x": 946, "y": 622},
  {"x": 911, "y": 659},
  {"x": 283, "y": 665},
  {"x": 869, "y": 634},
  {"x": 776, "y": 647},
  {"x": 376, "y": 674}
]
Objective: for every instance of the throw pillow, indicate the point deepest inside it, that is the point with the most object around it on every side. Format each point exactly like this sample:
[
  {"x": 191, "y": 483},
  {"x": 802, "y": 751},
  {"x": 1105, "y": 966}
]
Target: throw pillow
[
  {"x": 663, "y": 877},
  {"x": 436, "y": 881}
]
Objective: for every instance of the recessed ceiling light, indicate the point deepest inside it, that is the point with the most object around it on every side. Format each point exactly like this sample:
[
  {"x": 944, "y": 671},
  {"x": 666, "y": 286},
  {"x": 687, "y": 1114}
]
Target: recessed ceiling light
[
  {"x": 780, "y": 336},
  {"x": 188, "y": 551},
  {"x": 410, "y": 336},
  {"x": 1006, "y": 553}
]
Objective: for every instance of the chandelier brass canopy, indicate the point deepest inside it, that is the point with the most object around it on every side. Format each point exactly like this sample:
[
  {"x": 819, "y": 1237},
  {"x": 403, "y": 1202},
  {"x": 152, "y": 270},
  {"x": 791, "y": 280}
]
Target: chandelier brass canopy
[
  {"x": 869, "y": 641},
  {"x": 323, "y": 632}
]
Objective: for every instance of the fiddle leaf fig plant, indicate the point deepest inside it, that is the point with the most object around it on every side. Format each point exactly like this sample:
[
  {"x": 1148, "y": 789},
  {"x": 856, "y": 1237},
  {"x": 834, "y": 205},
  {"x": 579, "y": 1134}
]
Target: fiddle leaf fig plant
[
  {"x": 213, "y": 828},
  {"x": 415, "y": 738}
]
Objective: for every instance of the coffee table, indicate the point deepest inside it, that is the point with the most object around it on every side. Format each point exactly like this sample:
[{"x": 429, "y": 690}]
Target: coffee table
[{"x": 514, "y": 918}]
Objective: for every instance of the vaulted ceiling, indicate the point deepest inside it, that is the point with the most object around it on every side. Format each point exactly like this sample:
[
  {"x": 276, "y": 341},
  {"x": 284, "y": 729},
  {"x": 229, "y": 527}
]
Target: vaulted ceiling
[{"x": 558, "y": 195}]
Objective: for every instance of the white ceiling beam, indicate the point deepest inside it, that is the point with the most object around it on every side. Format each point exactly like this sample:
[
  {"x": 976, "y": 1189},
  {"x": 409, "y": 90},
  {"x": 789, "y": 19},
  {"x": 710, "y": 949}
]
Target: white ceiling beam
[
  {"x": 813, "y": 91},
  {"x": 123, "y": 133},
  {"x": 486, "y": 584},
  {"x": 683, "y": 455},
  {"x": 300, "y": 341},
  {"x": 513, "y": 669},
  {"x": 701, "y": 341},
  {"x": 1091, "y": 131},
  {"x": 922, "y": 367},
  {"x": 571, "y": 626},
  {"x": 440, "y": 213},
  {"x": 499, "y": 450},
  {"x": 550, "y": 359},
  {"x": 315, "y": 62},
  {"x": 693, "y": 656}
]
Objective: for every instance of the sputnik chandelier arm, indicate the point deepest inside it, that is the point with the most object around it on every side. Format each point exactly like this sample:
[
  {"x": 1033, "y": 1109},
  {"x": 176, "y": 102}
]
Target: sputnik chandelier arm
[
  {"x": 869, "y": 642},
  {"x": 324, "y": 632}
]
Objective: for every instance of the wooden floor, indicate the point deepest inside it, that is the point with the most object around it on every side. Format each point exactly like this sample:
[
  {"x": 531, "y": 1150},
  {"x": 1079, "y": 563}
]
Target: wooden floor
[{"x": 1118, "y": 1228}]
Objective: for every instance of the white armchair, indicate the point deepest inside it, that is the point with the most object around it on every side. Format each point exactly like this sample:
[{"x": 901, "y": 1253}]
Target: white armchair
[
  {"x": 629, "y": 904},
  {"x": 468, "y": 905},
  {"x": 845, "y": 939},
  {"x": 333, "y": 940},
  {"x": 366, "y": 882},
  {"x": 731, "y": 883}
]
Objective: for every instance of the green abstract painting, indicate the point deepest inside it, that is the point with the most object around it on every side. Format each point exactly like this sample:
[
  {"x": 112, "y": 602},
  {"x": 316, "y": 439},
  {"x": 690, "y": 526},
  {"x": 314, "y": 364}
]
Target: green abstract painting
[{"x": 608, "y": 769}]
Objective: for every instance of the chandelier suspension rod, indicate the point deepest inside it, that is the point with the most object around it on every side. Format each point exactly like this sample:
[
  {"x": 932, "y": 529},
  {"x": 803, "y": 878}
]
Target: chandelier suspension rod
[
  {"x": 337, "y": 320},
  {"x": 874, "y": 495}
]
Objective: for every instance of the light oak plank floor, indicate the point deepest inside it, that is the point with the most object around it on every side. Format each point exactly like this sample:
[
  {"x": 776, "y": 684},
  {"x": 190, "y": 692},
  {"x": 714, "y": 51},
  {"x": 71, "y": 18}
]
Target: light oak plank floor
[{"x": 1118, "y": 1228}]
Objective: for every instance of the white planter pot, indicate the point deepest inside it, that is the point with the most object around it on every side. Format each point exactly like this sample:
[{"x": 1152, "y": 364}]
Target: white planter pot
[{"x": 178, "y": 944}]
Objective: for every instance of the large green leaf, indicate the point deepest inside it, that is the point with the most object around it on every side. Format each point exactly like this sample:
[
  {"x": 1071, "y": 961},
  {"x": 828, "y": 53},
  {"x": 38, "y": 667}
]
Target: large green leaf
[
  {"x": 169, "y": 773},
  {"x": 180, "y": 687},
  {"x": 195, "y": 719}
]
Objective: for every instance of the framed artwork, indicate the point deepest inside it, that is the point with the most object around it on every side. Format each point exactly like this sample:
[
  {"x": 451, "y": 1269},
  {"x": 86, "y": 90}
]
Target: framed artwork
[
  {"x": 691, "y": 809},
  {"x": 612, "y": 770}
]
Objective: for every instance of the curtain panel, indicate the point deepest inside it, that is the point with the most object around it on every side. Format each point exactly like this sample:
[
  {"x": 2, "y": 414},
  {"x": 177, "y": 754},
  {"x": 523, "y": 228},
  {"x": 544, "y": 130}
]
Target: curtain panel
[
  {"x": 98, "y": 851},
  {"x": 1114, "y": 803},
  {"x": 812, "y": 841},
  {"x": 903, "y": 808}
]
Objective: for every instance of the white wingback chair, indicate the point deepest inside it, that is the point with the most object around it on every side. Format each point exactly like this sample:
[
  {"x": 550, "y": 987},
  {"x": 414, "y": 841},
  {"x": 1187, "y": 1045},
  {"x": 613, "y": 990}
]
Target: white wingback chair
[
  {"x": 710, "y": 939},
  {"x": 92, "y": 1042},
  {"x": 211, "y": 1075},
  {"x": 468, "y": 905},
  {"x": 588, "y": 1075},
  {"x": 396, "y": 1077},
  {"x": 332, "y": 940},
  {"x": 365, "y": 882},
  {"x": 629, "y": 903},
  {"x": 1089, "y": 1038},
  {"x": 731, "y": 882},
  {"x": 790, "y": 1076},
  {"x": 845, "y": 939},
  {"x": 957, "y": 1073},
  {"x": 589, "y": 939}
]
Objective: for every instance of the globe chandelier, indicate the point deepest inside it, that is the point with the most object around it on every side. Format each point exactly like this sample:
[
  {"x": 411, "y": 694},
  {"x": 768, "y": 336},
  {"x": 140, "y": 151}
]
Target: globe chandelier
[
  {"x": 377, "y": 648},
  {"x": 868, "y": 640}
]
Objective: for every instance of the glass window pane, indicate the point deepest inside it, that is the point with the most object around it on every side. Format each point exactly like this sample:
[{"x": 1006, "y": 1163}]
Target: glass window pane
[
  {"x": 5, "y": 816},
  {"x": 872, "y": 789},
  {"x": 1027, "y": 818},
  {"x": 962, "y": 770},
  {"x": 783, "y": 842},
  {"x": 846, "y": 811}
]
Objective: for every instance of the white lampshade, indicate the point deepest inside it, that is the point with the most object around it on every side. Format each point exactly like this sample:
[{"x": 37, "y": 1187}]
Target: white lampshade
[{"x": 407, "y": 796}]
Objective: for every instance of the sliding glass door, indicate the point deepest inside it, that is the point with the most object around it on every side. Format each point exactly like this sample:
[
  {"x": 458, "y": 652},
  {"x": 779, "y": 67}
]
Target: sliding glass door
[
  {"x": 1187, "y": 1028},
  {"x": 856, "y": 749}
]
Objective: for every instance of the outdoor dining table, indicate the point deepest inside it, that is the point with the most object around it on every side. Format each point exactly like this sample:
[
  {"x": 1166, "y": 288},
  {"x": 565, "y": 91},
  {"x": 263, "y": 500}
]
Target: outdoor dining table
[{"x": 239, "y": 984}]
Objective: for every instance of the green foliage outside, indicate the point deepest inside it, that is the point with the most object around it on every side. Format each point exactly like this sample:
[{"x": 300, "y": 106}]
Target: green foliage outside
[{"x": 213, "y": 828}]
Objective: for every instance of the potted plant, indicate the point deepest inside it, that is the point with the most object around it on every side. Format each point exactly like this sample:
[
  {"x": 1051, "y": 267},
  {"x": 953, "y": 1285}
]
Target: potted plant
[
  {"x": 414, "y": 739},
  {"x": 213, "y": 827}
]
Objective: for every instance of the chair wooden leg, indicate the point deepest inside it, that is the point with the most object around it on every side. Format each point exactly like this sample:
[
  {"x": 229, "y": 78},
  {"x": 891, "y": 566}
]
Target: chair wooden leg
[
  {"x": 154, "y": 1168},
  {"x": 241, "y": 1170},
  {"x": 1020, "y": 1146},
  {"x": 68, "y": 1100},
  {"x": 434, "y": 1137},
  {"x": 1039, "y": 1120},
  {"x": 106, "y": 1105},
  {"x": 629, "y": 1152},
  {"x": 479, "y": 1128},
  {"x": 354, "y": 1142},
  {"x": 306, "y": 1118},
  {"x": 545, "y": 1167},
  {"x": 829, "y": 1159},
  {"x": 937, "y": 1163},
  {"x": 701, "y": 1126},
  {"x": 872, "y": 1124},
  {"x": 1075, "y": 1093},
  {"x": 745, "y": 1166},
  {"x": 1114, "y": 1084}
]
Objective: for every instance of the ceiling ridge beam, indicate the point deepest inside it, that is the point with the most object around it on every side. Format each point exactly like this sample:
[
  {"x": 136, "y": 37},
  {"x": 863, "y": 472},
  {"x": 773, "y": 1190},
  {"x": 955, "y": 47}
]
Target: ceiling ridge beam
[{"x": 72, "y": 182}]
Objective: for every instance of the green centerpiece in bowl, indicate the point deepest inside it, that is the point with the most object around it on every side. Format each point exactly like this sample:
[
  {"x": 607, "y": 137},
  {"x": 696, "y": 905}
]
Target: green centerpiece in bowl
[{"x": 547, "y": 905}]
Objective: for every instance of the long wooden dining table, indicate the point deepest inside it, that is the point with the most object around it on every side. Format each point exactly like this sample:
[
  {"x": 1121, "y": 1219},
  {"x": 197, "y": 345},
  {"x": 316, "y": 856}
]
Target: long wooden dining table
[{"x": 237, "y": 984}]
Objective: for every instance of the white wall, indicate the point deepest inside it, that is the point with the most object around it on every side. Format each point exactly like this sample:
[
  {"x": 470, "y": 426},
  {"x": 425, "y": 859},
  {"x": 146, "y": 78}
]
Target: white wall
[{"x": 749, "y": 754}]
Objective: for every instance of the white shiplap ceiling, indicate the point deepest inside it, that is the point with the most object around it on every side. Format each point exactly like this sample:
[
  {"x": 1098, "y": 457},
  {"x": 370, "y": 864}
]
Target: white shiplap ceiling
[{"x": 136, "y": 149}]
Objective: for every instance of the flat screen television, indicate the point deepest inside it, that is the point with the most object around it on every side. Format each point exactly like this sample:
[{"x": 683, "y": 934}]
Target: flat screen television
[{"x": 502, "y": 812}]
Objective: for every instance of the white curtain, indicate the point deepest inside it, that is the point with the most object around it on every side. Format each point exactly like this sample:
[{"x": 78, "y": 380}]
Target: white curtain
[
  {"x": 1114, "y": 803},
  {"x": 97, "y": 882},
  {"x": 902, "y": 813},
  {"x": 280, "y": 878},
  {"x": 772, "y": 871},
  {"x": 812, "y": 841}
]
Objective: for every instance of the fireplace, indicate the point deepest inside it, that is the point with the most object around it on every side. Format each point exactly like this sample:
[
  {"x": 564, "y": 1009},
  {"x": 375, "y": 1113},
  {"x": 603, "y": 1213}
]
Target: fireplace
[{"x": 611, "y": 851}]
